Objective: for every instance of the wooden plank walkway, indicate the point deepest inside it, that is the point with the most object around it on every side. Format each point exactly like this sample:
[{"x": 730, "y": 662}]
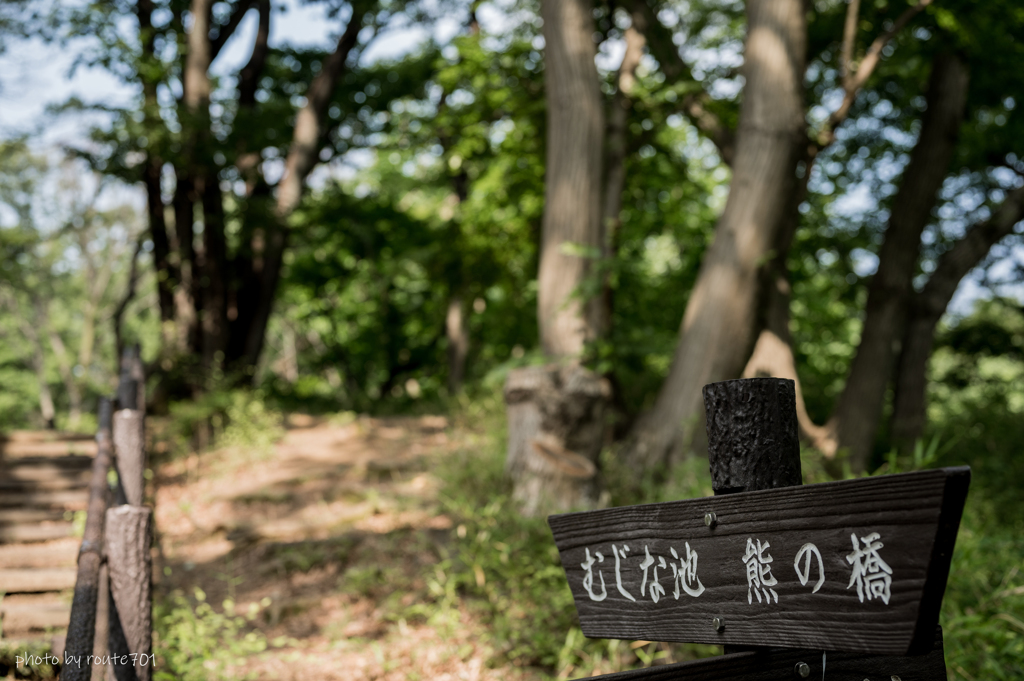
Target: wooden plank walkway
[{"x": 43, "y": 482}]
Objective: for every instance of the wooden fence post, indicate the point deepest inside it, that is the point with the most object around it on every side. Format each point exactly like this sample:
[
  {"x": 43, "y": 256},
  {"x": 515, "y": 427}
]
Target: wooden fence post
[
  {"x": 752, "y": 434},
  {"x": 127, "y": 545},
  {"x": 81, "y": 630},
  {"x": 129, "y": 534}
]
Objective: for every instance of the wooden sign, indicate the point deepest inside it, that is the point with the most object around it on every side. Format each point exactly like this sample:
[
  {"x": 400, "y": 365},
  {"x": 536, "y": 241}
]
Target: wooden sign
[
  {"x": 856, "y": 566},
  {"x": 789, "y": 665}
]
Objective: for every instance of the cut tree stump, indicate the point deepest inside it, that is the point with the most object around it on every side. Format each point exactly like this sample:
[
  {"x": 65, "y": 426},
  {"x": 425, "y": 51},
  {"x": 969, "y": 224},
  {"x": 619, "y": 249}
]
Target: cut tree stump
[{"x": 555, "y": 434}]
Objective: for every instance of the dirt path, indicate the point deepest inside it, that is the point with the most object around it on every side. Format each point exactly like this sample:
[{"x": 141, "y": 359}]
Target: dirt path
[{"x": 327, "y": 536}]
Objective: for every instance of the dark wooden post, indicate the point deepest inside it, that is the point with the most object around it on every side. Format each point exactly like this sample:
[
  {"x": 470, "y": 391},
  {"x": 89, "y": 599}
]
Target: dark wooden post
[
  {"x": 752, "y": 439},
  {"x": 82, "y": 627},
  {"x": 752, "y": 434}
]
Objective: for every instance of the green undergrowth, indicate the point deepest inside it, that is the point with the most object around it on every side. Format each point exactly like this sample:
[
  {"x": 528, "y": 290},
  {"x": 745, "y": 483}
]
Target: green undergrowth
[
  {"x": 505, "y": 569},
  {"x": 243, "y": 420},
  {"x": 33, "y": 662},
  {"x": 194, "y": 642}
]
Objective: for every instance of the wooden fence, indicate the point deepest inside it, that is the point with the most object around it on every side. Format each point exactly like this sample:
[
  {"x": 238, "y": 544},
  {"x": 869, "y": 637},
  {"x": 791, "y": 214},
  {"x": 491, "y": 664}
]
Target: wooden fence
[{"x": 110, "y": 632}]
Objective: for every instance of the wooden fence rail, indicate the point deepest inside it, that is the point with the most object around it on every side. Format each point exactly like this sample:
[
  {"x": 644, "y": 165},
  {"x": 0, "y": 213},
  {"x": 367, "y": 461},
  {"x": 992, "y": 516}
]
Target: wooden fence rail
[{"x": 110, "y": 632}]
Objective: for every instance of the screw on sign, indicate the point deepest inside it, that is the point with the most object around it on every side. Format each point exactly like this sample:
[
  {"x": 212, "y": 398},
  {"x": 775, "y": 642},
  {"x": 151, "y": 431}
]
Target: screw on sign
[{"x": 856, "y": 568}]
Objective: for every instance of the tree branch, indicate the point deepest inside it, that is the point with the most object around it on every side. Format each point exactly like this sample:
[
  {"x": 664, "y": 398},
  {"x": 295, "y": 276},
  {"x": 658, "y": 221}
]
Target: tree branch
[
  {"x": 852, "y": 83},
  {"x": 955, "y": 263},
  {"x": 695, "y": 105},
  {"x": 849, "y": 38},
  {"x": 129, "y": 294},
  {"x": 302, "y": 155},
  {"x": 249, "y": 76}
]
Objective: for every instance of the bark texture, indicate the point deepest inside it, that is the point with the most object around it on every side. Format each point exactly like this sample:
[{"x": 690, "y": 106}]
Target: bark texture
[
  {"x": 928, "y": 306},
  {"x": 82, "y": 627},
  {"x": 128, "y": 539},
  {"x": 718, "y": 327},
  {"x": 752, "y": 434},
  {"x": 859, "y": 409},
  {"x": 572, "y": 202},
  {"x": 129, "y": 448},
  {"x": 555, "y": 432},
  {"x": 616, "y": 145},
  {"x": 773, "y": 357}
]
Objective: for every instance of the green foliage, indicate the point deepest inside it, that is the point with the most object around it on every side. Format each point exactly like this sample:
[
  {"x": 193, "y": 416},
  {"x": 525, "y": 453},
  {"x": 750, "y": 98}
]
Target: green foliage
[
  {"x": 505, "y": 568},
  {"x": 251, "y": 424},
  {"x": 195, "y": 642},
  {"x": 983, "y": 610},
  {"x": 240, "y": 419},
  {"x": 27, "y": 668}
]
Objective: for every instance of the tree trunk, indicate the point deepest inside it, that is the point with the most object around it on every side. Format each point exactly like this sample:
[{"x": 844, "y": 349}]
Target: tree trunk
[
  {"x": 153, "y": 168},
  {"x": 572, "y": 208},
  {"x": 927, "y": 308},
  {"x": 859, "y": 409},
  {"x": 303, "y": 155},
  {"x": 556, "y": 412},
  {"x": 773, "y": 351},
  {"x": 718, "y": 327},
  {"x": 773, "y": 357},
  {"x": 458, "y": 343},
  {"x": 616, "y": 144}
]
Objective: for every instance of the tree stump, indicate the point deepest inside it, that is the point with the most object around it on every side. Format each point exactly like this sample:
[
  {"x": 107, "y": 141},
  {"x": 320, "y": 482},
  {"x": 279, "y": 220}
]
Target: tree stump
[{"x": 555, "y": 434}]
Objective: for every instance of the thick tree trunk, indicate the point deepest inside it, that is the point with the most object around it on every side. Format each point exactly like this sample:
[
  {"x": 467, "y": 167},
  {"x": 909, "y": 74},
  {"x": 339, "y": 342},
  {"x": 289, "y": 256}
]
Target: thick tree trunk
[
  {"x": 859, "y": 409},
  {"x": 572, "y": 208},
  {"x": 556, "y": 412},
  {"x": 927, "y": 308},
  {"x": 718, "y": 328}
]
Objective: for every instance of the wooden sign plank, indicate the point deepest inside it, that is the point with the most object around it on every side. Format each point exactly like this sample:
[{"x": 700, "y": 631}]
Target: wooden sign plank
[
  {"x": 787, "y": 665},
  {"x": 857, "y": 566}
]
